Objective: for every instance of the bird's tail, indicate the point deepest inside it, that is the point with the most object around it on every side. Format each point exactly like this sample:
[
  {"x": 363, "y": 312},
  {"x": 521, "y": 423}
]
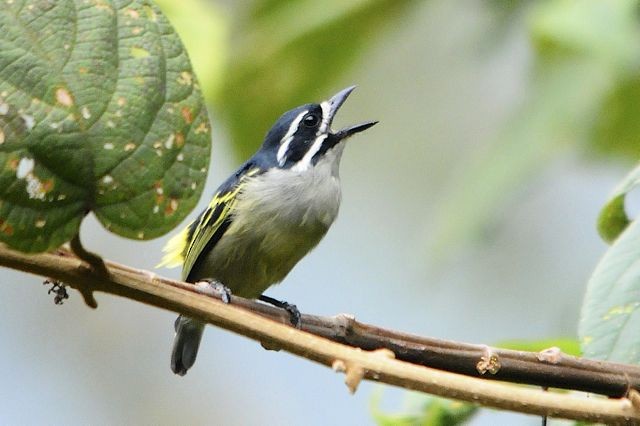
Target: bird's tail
[{"x": 185, "y": 344}]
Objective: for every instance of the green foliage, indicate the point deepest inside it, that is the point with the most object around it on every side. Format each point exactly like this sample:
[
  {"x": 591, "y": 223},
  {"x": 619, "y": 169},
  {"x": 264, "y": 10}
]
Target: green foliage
[
  {"x": 608, "y": 326},
  {"x": 601, "y": 30},
  {"x": 617, "y": 129},
  {"x": 566, "y": 345},
  {"x": 427, "y": 411},
  {"x": 613, "y": 218},
  {"x": 547, "y": 124},
  {"x": 581, "y": 94},
  {"x": 293, "y": 52},
  {"x": 99, "y": 111}
]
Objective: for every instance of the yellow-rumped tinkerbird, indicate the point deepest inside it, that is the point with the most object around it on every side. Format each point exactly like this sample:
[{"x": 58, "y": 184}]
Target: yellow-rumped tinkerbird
[{"x": 265, "y": 217}]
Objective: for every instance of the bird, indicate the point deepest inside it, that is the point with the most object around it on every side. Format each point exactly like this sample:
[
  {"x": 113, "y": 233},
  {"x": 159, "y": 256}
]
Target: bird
[{"x": 265, "y": 217}]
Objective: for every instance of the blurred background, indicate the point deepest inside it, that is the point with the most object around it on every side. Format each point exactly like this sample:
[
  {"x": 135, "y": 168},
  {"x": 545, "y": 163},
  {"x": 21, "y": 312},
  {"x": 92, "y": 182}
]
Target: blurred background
[{"x": 468, "y": 213}]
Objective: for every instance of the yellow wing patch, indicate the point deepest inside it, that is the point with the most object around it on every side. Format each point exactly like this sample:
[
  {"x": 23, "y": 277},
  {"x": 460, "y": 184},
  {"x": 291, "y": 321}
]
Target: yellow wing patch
[
  {"x": 185, "y": 248},
  {"x": 218, "y": 210},
  {"x": 174, "y": 250}
]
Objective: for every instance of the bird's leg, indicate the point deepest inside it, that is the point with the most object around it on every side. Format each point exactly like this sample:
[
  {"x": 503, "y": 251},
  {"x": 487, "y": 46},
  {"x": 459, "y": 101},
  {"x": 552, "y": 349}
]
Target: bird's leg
[
  {"x": 208, "y": 286},
  {"x": 294, "y": 313}
]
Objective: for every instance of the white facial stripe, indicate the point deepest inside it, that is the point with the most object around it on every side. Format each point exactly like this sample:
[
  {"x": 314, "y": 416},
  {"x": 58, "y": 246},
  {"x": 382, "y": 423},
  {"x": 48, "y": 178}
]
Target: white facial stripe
[
  {"x": 284, "y": 146},
  {"x": 306, "y": 160},
  {"x": 288, "y": 137},
  {"x": 326, "y": 110}
]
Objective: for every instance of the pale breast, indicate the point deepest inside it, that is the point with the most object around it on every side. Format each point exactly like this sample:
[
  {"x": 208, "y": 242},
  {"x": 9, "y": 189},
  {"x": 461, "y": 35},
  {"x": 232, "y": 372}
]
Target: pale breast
[{"x": 284, "y": 215}]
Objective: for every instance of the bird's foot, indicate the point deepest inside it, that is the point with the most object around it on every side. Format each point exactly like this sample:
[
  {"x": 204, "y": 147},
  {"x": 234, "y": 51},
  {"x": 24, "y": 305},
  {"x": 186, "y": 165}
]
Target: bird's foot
[
  {"x": 211, "y": 286},
  {"x": 294, "y": 313}
]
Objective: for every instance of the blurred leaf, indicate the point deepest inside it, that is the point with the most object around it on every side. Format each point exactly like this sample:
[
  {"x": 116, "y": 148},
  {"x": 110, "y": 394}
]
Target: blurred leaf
[
  {"x": 204, "y": 30},
  {"x": 504, "y": 13},
  {"x": 99, "y": 110},
  {"x": 294, "y": 52},
  {"x": 567, "y": 345},
  {"x": 506, "y": 9},
  {"x": 607, "y": 32},
  {"x": 617, "y": 128},
  {"x": 552, "y": 119},
  {"x": 428, "y": 411},
  {"x": 584, "y": 49},
  {"x": 604, "y": 30},
  {"x": 608, "y": 324},
  {"x": 613, "y": 219}
]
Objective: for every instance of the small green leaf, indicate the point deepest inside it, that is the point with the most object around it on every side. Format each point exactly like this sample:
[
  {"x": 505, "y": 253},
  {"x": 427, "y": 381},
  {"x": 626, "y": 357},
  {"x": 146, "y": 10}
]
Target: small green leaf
[
  {"x": 566, "y": 345},
  {"x": 425, "y": 410},
  {"x": 613, "y": 219},
  {"x": 99, "y": 111},
  {"x": 610, "y": 317},
  {"x": 293, "y": 52}
]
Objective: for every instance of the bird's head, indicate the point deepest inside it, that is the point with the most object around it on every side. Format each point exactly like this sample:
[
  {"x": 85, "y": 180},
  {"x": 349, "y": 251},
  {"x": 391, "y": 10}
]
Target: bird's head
[{"x": 303, "y": 136}]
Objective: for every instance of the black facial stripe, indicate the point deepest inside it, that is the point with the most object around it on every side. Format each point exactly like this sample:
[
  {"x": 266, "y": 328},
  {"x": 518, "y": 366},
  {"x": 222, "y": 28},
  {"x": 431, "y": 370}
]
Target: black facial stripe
[
  {"x": 328, "y": 143},
  {"x": 303, "y": 138},
  {"x": 287, "y": 145},
  {"x": 297, "y": 148}
]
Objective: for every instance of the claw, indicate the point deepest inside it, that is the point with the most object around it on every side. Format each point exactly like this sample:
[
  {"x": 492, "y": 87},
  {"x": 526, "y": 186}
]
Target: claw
[
  {"x": 211, "y": 286},
  {"x": 294, "y": 314}
]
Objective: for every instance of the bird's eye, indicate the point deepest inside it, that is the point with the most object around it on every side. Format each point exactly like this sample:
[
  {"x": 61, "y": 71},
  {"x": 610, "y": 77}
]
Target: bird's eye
[{"x": 311, "y": 120}]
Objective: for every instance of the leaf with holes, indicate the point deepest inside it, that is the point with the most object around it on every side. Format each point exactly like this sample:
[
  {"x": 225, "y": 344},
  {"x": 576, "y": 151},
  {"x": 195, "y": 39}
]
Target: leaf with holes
[
  {"x": 609, "y": 322},
  {"x": 99, "y": 111}
]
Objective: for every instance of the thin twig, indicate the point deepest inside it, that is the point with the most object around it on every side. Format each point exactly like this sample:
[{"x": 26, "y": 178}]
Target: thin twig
[
  {"x": 96, "y": 262},
  {"x": 549, "y": 368},
  {"x": 355, "y": 362}
]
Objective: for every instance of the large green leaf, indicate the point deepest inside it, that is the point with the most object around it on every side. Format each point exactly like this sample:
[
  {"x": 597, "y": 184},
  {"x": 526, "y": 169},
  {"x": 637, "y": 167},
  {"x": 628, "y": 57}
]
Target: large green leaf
[
  {"x": 99, "y": 111},
  {"x": 609, "y": 320},
  {"x": 293, "y": 52},
  {"x": 613, "y": 218}
]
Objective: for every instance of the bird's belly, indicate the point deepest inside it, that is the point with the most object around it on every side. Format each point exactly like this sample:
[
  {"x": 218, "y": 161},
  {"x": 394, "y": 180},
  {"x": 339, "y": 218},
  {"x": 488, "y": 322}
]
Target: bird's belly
[
  {"x": 282, "y": 220},
  {"x": 249, "y": 260}
]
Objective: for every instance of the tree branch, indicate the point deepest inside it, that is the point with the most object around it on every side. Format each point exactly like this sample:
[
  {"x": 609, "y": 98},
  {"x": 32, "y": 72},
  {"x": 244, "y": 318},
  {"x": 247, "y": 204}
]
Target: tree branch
[{"x": 381, "y": 347}]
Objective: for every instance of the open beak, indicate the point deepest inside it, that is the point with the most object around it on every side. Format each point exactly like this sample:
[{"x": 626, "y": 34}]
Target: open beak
[{"x": 335, "y": 103}]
